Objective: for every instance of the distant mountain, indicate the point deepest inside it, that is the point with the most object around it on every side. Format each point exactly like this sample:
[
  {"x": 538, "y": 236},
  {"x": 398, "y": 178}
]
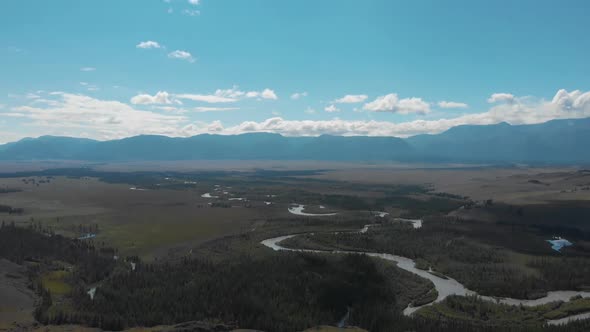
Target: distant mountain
[
  {"x": 47, "y": 147},
  {"x": 558, "y": 141}
]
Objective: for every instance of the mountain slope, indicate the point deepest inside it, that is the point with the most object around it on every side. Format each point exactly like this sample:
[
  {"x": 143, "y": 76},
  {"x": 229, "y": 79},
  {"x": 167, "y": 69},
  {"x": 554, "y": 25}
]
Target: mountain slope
[
  {"x": 558, "y": 141},
  {"x": 555, "y": 141}
]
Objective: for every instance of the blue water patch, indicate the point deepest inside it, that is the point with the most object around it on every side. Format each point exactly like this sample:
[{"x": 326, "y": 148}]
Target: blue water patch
[
  {"x": 87, "y": 236},
  {"x": 558, "y": 243}
]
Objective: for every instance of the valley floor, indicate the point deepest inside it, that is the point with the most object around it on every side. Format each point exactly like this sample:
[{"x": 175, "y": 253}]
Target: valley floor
[{"x": 485, "y": 227}]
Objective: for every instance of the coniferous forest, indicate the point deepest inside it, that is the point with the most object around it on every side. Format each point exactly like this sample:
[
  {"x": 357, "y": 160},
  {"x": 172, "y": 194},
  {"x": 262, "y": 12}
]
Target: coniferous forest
[{"x": 286, "y": 292}]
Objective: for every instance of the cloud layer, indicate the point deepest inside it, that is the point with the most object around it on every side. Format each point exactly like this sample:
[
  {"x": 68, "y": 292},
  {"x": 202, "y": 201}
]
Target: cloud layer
[{"x": 60, "y": 113}]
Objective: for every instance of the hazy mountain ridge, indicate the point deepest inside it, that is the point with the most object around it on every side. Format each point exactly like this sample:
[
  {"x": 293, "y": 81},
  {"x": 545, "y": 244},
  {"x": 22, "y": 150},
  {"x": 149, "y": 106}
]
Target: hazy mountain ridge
[{"x": 558, "y": 141}]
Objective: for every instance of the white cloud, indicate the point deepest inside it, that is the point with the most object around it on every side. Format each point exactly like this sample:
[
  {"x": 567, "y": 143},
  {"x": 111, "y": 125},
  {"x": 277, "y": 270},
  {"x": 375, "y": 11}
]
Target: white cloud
[
  {"x": 215, "y": 109},
  {"x": 309, "y": 110},
  {"x": 451, "y": 104},
  {"x": 564, "y": 105},
  {"x": 148, "y": 44},
  {"x": 331, "y": 108},
  {"x": 351, "y": 99},
  {"x": 298, "y": 95},
  {"x": 161, "y": 97},
  {"x": 84, "y": 116},
  {"x": 191, "y": 12},
  {"x": 236, "y": 93},
  {"x": 31, "y": 95},
  {"x": 194, "y": 2},
  {"x": 171, "y": 109},
  {"x": 182, "y": 55},
  {"x": 87, "y": 69},
  {"x": 391, "y": 103},
  {"x": 501, "y": 98},
  {"x": 268, "y": 94},
  {"x": 575, "y": 100},
  {"x": 205, "y": 98},
  {"x": 233, "y": 92}
]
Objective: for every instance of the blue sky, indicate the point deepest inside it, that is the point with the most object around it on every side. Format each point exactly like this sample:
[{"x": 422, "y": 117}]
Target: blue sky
[{"x": 111, "y": 69}]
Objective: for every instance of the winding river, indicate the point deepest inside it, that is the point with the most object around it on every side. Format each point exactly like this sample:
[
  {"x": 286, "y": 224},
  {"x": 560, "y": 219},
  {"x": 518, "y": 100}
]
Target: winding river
[{"x": 445, "y": 286}]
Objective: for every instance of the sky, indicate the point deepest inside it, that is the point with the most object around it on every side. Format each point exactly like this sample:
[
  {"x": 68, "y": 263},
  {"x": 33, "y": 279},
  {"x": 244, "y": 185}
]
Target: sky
[{"x": 111, "y": 69}]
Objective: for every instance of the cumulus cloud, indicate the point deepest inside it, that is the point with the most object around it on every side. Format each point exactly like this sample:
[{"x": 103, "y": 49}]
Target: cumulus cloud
[
  {"x": 268, "y": 94},
  {"x": 148, "y": 44},
  {"x": 182, "y": 55},
  {"x": 451, "y": 104},
  {"x": 392, "y": 103},
  {"x": 298, "y": 95},
  {"x": 564, "y": 105},
  {"x": 162, "y": 97},
  {"x": 194, "y": 2},
  {"x": 331, "y": 108},
  {"x": 351, "y": 99},
  {"x": 501, "y": 98}
]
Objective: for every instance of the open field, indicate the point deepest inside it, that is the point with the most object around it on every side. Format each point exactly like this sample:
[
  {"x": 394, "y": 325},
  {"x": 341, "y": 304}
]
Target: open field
[
  {"x": 135, "y": 221},
  {"x": 518, "y": 185}
]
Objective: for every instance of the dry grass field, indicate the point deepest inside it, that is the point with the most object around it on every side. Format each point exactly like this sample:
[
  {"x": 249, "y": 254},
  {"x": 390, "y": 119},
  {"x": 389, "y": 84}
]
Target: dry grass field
[
  {"x": 516, "y": 185},
  {"x": 137, "y": 222}
]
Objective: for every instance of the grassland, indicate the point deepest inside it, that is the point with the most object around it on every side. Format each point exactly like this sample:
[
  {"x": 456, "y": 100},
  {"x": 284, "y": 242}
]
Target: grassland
[{"x": 55, "y": 282}]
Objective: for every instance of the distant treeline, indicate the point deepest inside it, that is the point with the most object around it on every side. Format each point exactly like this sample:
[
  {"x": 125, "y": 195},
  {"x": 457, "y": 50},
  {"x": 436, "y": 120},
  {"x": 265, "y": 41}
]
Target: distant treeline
[
  {"x": 37, "y": 244},
  {"x": 11, "y": 210},
  {"x": 9, "y": 190}
]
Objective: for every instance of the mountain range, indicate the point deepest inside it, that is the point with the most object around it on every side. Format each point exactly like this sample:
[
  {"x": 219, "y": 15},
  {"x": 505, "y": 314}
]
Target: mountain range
[{"x": 557, "y": 141}]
